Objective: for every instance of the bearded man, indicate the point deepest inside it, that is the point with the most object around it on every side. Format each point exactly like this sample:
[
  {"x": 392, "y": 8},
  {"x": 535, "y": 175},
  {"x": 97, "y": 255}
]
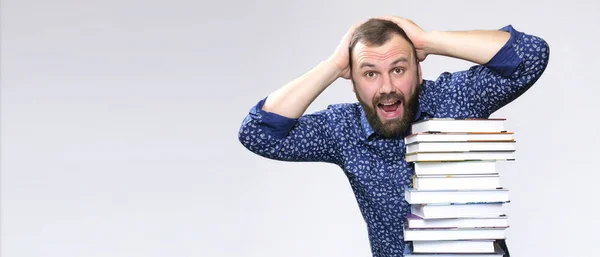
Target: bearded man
[{"x": 382, "y": 59}]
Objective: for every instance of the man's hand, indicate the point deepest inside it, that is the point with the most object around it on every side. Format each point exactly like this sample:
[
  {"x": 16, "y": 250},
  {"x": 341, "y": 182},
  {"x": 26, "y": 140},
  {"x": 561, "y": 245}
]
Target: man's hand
[
  {"x": 341, "y": 56},
  {"x": 416, "y": 34}
]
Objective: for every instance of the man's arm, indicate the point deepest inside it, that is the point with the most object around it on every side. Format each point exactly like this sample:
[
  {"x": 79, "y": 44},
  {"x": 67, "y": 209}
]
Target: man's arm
[
  {"x": 306, "y": 139},
  {"x": 509, "y": 63},
  {"x": 483, "y": 89},
  {"x": 478, "y": 46},
  {"x": 277, "y": 127},
  {"x": 293, "y": 99}
]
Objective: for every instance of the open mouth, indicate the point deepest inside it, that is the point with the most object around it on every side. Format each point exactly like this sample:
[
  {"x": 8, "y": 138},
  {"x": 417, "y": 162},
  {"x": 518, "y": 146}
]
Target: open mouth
[{"x": 390, "y": 109}]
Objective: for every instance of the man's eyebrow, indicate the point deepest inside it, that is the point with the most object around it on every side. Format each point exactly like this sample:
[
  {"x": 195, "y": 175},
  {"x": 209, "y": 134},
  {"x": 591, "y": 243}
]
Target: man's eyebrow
[
  {"x": 366, "y": 64},
  {"x": 370, "y": 65},
  {"x": 401, "y": 59}
]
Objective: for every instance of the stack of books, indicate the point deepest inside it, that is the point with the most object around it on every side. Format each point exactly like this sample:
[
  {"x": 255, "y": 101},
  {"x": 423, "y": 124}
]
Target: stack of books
[{"x": 456, "y": 196}]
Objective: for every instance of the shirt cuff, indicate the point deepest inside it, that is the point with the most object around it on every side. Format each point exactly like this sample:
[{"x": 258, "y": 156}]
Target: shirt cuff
[
  {"x": 506, "y": 60},
  {"x": 272, "y": 123}
]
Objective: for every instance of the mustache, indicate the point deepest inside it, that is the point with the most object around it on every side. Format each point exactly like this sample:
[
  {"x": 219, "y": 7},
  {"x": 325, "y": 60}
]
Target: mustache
[{"x": 388, "y": 98}]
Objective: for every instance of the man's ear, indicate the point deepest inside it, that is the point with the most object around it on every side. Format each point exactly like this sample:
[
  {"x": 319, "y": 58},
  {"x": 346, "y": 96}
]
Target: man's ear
[
  {"x": 420, "y": 75},
  {"x": 351, "y": 80},
  {"x": 352, "y": 83}
]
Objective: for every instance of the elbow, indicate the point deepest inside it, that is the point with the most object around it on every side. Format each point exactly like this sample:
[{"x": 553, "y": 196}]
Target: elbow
[
  {"x": 541, "y": 53},
  {"x": 537, "y": 57},
  {"x": 544, "y": 53},
  {"x": 546, "y": 56},
  {"x": 541, "y": 62},
  {"x": 244, "y": 135},
  {"x": 251, "y": 137}
]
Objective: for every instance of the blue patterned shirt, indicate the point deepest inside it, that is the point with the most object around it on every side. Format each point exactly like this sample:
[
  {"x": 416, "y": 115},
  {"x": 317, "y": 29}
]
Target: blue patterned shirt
[{"x": 376, "y": 166}]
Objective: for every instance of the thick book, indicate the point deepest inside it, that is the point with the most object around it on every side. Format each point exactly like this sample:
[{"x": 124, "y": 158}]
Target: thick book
[
  {"x": 461, "y": 156},
  {"x": 445, "y": 211},
  {"x": 498, "y": 252},
  {"x": 491, "y": 222},
  {"x": 456, "y": 182},
  {"x": 414, "y": 196},
  {"x": 459, "y": 137},
  {"x": 465, "y": 125},
  {"x": 455, "y": 167},
  {"x": 453, "y": 246},
  {"x": 423, "y": 147},
  {"x": 429, "y": 234}
]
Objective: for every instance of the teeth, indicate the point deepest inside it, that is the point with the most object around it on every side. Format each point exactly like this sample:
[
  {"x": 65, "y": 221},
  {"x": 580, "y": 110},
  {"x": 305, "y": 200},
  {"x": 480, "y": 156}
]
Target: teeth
[{"x": 388, "y": 103}]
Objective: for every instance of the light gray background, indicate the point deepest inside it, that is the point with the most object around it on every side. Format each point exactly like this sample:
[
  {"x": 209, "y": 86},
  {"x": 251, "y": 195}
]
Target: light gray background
[{"x": 120, "y": 119}]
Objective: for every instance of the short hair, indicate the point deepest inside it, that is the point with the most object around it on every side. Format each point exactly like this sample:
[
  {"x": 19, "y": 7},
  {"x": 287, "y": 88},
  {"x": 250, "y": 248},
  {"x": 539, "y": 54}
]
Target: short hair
[{"x": 376, "y": 32}]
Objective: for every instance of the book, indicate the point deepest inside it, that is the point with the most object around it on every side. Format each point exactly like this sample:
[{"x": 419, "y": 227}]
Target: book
[
  {"x": 414, "y": 196},
  {"x": 444, "y": 211},
  {"x": 498, "y": 252},
  {"x": 457, "y": 201},
  {"x": 491, "y": 222},
  {"x": 456, "y": 182},
  {"x": 454, "y": 246},
  {"x": 434, "y": 234},
  {"x": 459, "y": 137},
  {"x": 481, "y": 146},
  {"x": 460, "y": 156},
  {"x": 455, "y": 167},
  {"x": 459, "y": 125}
]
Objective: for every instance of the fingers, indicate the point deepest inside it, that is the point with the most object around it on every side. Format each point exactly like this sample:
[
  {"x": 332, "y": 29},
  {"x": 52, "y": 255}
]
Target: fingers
[
  {"x": 350, "y": 33},
  {"x": 348, "y": 36},
  {"x": 352, "y": 29},
  {"x": 355, "y": 26},
  {"x": 395, "y": 19},
  {"x": 385, "y": 17},
  {"x": 389, "y": 18}
]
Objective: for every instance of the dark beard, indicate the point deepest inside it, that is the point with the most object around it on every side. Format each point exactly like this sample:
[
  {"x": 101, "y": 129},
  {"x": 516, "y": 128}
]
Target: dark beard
[{"x": 395, "y": 128}]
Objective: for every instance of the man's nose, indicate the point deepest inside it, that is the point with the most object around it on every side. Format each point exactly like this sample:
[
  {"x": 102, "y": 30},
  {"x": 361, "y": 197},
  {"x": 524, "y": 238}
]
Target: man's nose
[{"x": 386, "y": 85}]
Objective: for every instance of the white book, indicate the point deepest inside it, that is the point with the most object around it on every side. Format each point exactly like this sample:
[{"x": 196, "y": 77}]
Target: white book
[
  {"x": 458, "y": 137},
  {"x": 459, "y": 125},
  {"x": 455, "y": 167},
  {"x": 456, "y": 182},
  {"x": 498, "y": 252},
  {"x": 454, "y": 246},
  {"x": 429, "y": 234},
  {"x": 492, "y": 222},
  {"x": 444, "y": 211},
  {"x": 414, "y": 196},
  {"x": 459, "y": 146},
  {"x": 460, "y": 156}
]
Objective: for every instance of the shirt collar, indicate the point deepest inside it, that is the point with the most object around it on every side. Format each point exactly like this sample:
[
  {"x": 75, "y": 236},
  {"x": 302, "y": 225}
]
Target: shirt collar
[{"x": 368, "y": 131}]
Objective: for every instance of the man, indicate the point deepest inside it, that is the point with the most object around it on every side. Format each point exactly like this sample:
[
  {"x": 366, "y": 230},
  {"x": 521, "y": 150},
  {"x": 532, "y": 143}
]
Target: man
[{"x": 366, "y": 139}]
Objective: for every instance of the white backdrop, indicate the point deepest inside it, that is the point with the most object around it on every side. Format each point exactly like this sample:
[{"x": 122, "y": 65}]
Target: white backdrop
[{"x": 119, "y": 123}]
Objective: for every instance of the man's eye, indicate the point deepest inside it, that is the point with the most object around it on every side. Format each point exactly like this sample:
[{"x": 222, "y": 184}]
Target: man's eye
[
  {"x": 370, "y": 74},
  {"x": 398, "y": 70}
]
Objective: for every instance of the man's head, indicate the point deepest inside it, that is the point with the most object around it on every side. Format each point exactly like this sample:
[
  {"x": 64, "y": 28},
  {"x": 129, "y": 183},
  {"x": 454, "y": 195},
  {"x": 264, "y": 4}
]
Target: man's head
[{"x": 386, "y": 76}]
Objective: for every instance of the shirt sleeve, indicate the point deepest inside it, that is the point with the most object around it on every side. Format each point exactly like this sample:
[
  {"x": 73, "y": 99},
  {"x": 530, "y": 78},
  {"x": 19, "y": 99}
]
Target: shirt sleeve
[
  {"x": 483, "y": 89},
  {"x": 306, "y": 139},
  {"x": 506, "y": 61},
  {"x": 274, "y": 124}
]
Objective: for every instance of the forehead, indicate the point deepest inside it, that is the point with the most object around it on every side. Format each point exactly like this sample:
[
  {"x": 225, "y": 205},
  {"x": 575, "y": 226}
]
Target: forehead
[{"x": 393, "y": 48}]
